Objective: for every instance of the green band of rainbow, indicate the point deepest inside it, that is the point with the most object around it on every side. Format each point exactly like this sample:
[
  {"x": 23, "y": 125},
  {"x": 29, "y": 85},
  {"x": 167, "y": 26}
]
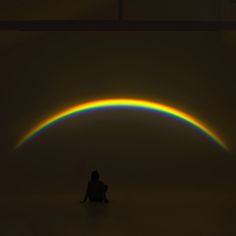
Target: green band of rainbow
[{"x": 135, "y": 103}]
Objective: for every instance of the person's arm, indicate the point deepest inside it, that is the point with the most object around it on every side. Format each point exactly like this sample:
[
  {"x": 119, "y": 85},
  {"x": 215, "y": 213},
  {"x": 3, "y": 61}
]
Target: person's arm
[{"x": 86, "y": 195}]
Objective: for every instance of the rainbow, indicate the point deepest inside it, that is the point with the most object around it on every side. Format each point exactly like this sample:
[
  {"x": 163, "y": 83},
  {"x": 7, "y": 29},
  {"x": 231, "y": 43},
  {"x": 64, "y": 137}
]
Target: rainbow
[{"x": 133, "y": 103}]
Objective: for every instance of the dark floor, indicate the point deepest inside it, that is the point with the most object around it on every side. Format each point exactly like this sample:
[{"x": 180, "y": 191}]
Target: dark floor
[{"x": 134, "y": 211}]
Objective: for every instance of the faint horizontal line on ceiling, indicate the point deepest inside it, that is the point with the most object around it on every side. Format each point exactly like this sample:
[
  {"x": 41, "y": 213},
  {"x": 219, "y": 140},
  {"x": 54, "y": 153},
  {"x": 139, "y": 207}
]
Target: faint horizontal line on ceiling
[{"x": 115, "y": 25}]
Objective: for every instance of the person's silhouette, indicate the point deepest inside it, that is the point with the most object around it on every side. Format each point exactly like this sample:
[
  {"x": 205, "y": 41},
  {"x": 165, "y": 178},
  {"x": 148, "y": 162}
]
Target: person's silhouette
[{"x": 96, "y": 189}]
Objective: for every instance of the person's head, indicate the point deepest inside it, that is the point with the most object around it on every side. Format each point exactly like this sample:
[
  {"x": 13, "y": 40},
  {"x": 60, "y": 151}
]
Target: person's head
[{"x": 95, "y": 175}]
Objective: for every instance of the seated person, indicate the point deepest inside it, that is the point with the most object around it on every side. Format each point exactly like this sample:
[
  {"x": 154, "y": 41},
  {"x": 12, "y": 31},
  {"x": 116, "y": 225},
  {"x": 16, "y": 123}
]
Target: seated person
[{"x": 96, "y": 189}]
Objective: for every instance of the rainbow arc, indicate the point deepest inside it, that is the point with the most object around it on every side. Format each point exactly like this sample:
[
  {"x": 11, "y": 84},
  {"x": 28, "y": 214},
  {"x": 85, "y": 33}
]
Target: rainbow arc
[{"x": 122, "y": 102}]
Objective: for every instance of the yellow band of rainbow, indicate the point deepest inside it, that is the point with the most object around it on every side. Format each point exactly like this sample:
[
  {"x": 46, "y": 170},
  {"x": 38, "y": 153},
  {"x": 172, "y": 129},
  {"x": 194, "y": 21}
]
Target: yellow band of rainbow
[{"x": 135, "y": 103}]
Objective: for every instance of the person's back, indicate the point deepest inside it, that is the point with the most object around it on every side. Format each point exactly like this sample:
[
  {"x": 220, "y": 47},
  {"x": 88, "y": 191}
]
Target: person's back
[{"x": 96, "y": 189}]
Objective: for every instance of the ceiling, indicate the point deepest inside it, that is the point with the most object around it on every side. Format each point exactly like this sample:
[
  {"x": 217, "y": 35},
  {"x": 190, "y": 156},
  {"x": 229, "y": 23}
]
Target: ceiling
[{"x": 107, "y": 9}]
